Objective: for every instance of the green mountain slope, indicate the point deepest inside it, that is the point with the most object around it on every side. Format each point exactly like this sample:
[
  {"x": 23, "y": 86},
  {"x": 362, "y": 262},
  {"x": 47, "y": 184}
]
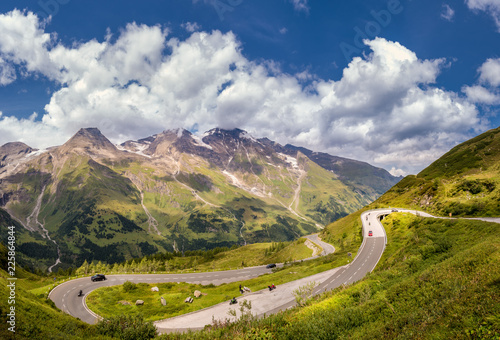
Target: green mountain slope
[
  {"x": 33, "y": 250},
  {"x": 463, "y": 182}
]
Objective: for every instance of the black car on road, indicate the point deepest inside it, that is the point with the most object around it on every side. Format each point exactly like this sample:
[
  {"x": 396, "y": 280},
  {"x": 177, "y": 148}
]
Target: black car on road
[
  {"x": 271, "y": 265},
  {"x": 98, "y": 277}
]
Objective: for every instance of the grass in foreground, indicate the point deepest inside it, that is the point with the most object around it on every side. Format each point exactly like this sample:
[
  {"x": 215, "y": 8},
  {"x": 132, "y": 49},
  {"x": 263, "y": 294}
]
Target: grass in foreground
[{"x": 35, "y": 318}]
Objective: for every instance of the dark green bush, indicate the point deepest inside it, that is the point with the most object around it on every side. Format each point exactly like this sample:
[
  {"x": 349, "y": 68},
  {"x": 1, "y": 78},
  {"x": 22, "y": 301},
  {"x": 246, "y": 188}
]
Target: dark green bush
[
  {"x": 127, "y": 328},
  {"x": 129, "y": 286}
]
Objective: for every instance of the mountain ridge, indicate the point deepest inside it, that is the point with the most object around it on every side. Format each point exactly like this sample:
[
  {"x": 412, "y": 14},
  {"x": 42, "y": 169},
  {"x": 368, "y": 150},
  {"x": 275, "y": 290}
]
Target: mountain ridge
[{"x": 173, "y": 190}]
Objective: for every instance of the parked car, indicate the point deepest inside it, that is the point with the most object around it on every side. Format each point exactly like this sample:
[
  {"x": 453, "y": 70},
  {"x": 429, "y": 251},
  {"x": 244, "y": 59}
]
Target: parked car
[
  {"x": 98, "y": 277},
  {"x": 271, "y": 265},
  {"x": 370, "y": 233}
]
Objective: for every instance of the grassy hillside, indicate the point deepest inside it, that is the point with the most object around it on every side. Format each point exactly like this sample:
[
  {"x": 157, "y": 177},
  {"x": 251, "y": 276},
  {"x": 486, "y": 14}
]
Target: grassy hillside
[
  {"x": 34, "y": 251},
  {"x": 35, "y": 317},
  {"x": 91, "y": 211},
  {"x": 463, "y": 182}
]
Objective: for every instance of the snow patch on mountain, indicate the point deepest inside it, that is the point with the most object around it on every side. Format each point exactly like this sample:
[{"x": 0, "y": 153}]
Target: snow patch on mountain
[
  {"x": 139, "y": 148},
  {"x": 235, "y": 180},
  {"x": 246, "y": 135},
  {"x": 36, "y": 153},
  {"x": 210, "y": 132},
  {"x": 200, "y": 142},
  {"x": 290, "y": 160}
]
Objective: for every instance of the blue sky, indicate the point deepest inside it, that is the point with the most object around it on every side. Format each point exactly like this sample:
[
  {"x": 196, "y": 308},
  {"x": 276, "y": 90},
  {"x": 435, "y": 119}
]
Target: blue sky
[{"x": 394, "y": 83}]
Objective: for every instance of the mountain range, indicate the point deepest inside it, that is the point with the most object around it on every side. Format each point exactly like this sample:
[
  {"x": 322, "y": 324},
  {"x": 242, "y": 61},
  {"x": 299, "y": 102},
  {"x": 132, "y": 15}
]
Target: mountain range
[{"x": 90, "y": 199}]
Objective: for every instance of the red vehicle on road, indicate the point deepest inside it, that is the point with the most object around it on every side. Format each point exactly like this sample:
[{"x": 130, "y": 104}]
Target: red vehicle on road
[{"x": 370, "y": 233}]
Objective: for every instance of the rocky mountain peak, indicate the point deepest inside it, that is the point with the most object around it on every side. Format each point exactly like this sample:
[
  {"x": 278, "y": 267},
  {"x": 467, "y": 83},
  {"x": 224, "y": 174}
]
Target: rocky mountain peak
[
  {"x": 179, "y": 133},
  {"x": 163, "y": 143},
  {"x": 220, "y": 133},
  {"x": 90, "y": 140},
  {"x": 89, "y": 134},
  {"x": 15, "y": 148},
  {"x": 229, "y": 138},
  {"x": 13, "y": 152}
]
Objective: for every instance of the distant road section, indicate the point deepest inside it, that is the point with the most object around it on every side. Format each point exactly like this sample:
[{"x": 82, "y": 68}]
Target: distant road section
[
  {"x": 327, "y": 247},
  {"x": 368, "y": 255}
]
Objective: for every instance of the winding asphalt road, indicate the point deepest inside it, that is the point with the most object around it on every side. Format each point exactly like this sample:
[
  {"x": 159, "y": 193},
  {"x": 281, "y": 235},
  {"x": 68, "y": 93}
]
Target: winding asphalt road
[
  {"x": 65, "y": 296},
  {"x": 327, "y": 247}
]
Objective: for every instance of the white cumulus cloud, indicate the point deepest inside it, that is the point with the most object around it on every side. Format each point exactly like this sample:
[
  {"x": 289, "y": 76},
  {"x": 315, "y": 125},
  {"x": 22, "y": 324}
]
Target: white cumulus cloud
[
  {"x": 488, "y": 91},
  {"x": 490, "y": 72},
  {"x": 479, "y": 94},
  {"x": 489, "y": 6}
]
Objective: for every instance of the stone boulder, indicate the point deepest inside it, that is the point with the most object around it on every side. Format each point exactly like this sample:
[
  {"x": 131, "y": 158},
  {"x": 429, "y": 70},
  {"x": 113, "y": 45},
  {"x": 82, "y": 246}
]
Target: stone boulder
[
  {"x": 163, "y": 301},
  {"x": 197, "y": 293},
  {"x": 155, "y": 289},
  {"x": 139, "y": 302}
]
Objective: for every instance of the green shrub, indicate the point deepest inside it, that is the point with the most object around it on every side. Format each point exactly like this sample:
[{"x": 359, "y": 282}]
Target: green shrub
[
  {"x": 129, "y": 286},
  {"x": 127, "y": 328}
]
